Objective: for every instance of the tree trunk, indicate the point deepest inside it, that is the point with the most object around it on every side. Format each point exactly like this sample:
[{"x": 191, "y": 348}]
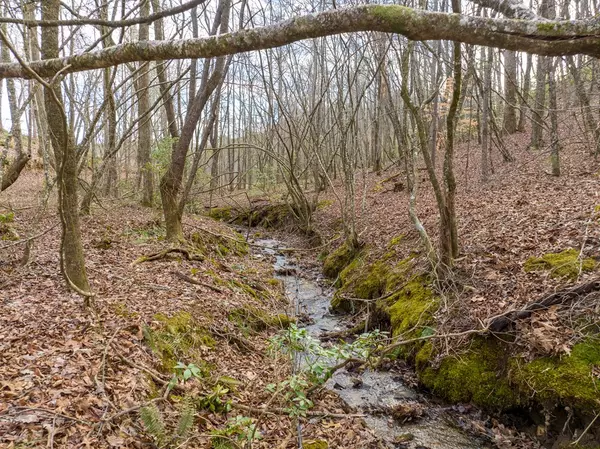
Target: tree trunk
[
  {"x": 525, "y": 94},
  {"x": 145, "y": 125},
  {"x": 510, "y": 92},
  {"x": 485, "y": 115},
  {"x": 71, "y": 252},
  {"x": 171, "y": 182}
]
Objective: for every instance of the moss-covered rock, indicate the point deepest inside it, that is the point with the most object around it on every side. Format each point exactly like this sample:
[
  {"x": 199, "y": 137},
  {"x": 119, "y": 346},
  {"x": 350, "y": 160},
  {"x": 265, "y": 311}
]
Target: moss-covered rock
[
  {"x": 477, "y": 375},
  {"x": 566, "y": 264},
  {"x": 220, "y": 213},
  {"x": 249, "y": 317},
  {"x": 178, "y": 338},
  {"x": 572, "y": 380},
  {"x": 412, "y": 308},
  {"x": 339, "y": 259}
]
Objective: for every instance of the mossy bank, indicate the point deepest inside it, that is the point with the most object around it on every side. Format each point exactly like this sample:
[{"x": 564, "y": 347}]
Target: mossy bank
[{"x": 487, "y": 371}]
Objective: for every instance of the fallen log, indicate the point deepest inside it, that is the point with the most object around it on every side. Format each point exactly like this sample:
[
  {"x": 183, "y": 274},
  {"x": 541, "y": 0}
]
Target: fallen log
[{"x": 501, "y": 322}]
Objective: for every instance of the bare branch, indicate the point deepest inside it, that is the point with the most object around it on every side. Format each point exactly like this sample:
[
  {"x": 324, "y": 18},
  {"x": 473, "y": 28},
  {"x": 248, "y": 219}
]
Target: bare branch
[
  {"x": 554, "y": 38},
  {"x": 107, "y": 23}
]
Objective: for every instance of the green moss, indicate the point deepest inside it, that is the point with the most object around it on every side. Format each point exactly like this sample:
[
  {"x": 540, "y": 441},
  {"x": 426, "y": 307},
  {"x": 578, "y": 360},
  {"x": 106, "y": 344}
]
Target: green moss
[
  {"x": 475, "y": 376},
  {"x": 7, "y": 232},
  {"x": 178, "y": 338},
  {"x": 316, "y": 444},
  {"x": 275, "y": 282},
  {"x": 220, "y": 213},
  {"x": 220, "y": 244},
  {"x": 324, "y": 204},
  {"x": 487, "y": 375},
  {"x": 412, "y": 308},
  {"x": 121, "y": 310},
  {"x": 396, "y": 16},
  {"x": 568, "y": 380},
  {"x": 566, "y": 264},
  {"x": 339, "y": 259},
  {"x": 256, "y": 319},
  {"x": 7, "y": 218},
  {"x": 395, "y": 241}
]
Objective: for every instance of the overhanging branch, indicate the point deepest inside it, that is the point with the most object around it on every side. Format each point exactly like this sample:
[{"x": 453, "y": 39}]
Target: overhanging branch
[{"x": 550, "y": 38}]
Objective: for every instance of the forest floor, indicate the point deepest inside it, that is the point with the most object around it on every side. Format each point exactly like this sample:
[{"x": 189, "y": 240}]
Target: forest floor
[
  {"x": 71, "y": 378},
  {"x": 520, "y": 213}
]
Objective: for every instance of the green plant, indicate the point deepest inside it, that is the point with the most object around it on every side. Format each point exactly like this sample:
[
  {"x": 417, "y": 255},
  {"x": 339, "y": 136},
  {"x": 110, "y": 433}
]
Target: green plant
[
  {"x": 317, "y": 363},
  {"x": 239, "y": 430},
  {"x": 156, "y": 427},
  {"x": 294, "y": 392},
  {"x": 316, "y": 359},
  {"x": 215, "y": 400}
]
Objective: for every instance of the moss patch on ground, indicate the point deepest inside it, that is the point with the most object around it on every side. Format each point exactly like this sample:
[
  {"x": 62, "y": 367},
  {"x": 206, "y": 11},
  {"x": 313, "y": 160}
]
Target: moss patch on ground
[
  {"x": 412, "y": 308},
  {"x": 220, "y": 213},
  {"x": 489, "y": 376},
  {"x": 566, "y": 264},
  {"x": 222, "y": 245},
  {"x": 178, "y": 338}
]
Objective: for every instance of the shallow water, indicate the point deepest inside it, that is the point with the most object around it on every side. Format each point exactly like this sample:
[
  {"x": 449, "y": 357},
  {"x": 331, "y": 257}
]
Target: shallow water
[{"x": 369, "y": 390}]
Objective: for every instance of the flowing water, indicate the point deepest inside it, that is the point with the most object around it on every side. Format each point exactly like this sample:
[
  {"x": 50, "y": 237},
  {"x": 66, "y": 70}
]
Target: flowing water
[{"x": 368, "y": 392}]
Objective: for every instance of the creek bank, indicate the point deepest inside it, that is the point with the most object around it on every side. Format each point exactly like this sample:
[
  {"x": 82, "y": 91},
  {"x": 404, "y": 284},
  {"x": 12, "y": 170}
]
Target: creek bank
[
  {"x": 384, "y": 396},
  {"x": 558, "y": 393}
]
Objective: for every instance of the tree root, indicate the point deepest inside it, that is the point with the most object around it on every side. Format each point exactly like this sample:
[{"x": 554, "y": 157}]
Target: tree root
[
  {"x": 164, "y": 253},
  {"x": 196, "y": 282},
  {"x": 501, "y": 322}
]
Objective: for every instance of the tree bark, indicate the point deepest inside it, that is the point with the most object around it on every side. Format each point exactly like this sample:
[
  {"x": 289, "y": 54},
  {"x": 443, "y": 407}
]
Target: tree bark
[
  {"x": 145, "y": 124},
  {"x": 65, "y": 153},
  {"x": 510, "y": 92},
  {"x": 554, "y": 38},
  {"x": 171, "y": 182}
]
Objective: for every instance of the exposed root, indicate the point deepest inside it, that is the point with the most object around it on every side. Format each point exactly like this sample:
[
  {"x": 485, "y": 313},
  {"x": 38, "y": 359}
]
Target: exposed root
[
  {"x": 500, "y": 322},
  {"x": 164, "y": 253},
  {"x": 196, "y": 282}
]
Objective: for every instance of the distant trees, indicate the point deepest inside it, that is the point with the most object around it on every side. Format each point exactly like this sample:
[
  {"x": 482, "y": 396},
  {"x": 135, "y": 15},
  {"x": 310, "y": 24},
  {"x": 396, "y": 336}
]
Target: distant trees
[{"x": 310, "y": 116}]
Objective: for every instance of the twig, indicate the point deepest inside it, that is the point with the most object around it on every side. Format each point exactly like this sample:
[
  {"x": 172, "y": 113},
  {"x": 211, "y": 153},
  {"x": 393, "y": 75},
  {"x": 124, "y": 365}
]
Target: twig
[
  {"x": 576, "y": 442},
  {"x": 33, "y": 237},
  {"x": 397, "y": 344},
  {"x": 148, "y": 371},
  {"x": 196, "y": 282}
]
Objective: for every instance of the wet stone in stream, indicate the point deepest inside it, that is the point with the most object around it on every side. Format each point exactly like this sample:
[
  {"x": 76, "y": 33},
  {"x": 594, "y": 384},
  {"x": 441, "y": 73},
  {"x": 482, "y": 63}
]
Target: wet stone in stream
[{"x": 394, "y": 411}]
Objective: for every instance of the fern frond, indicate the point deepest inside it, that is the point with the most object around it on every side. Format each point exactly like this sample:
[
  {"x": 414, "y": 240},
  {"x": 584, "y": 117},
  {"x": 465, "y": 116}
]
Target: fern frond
[
  {"x": 153, "y": 422},
  {"x": 186, "y": 421}
]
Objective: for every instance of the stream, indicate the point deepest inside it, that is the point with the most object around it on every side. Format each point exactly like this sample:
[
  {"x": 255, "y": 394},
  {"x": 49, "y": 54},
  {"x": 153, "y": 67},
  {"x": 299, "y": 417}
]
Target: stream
[{"x": 369, "y": 392}]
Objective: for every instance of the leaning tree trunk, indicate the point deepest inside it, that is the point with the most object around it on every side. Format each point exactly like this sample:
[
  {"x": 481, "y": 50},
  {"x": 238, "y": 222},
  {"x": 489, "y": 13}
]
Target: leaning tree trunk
[
  {"x": 65, "y": 154},
  {"x": 171, "y": 182}
]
